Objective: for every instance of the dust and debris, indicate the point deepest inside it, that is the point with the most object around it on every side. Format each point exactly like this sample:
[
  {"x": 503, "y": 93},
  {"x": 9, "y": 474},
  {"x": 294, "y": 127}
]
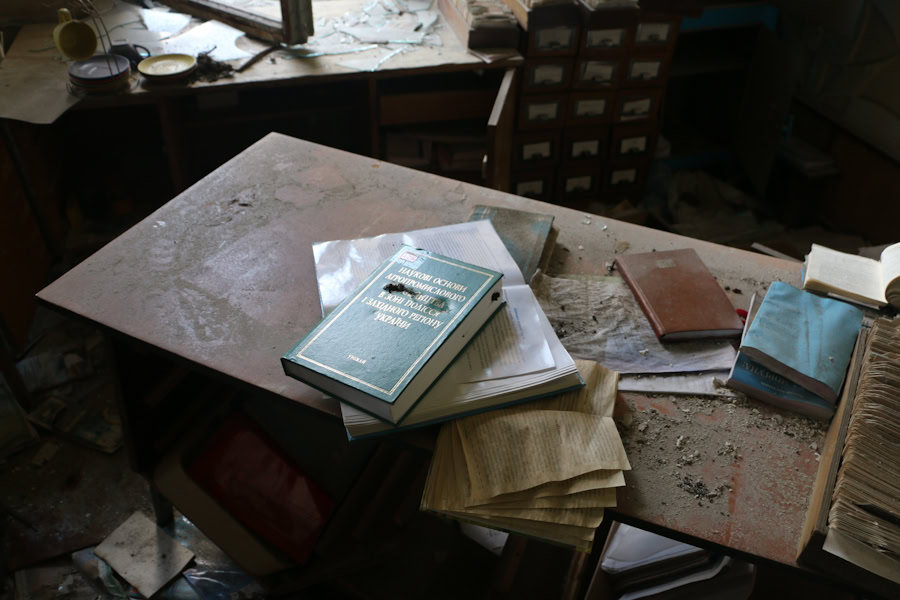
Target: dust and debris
[
  {"x": 209, "y": 69},
  {"x": 622, "y": 246},
  {"x": 604, "y": 228},
  {"x": 689, "y": 449},
  {"x": 698, "y": 488},
  {"x": 644, "y": 352},
  {"x": 728, "y": 449},
  {"x": 737, "y": 290},
  {"x": 586, "y": 220},
  {"x": 580, "y": 247},
  {"x": 688, "y": 459},
  {"x": 719, "y": 384},
  {"x": 610, "y": 267}
]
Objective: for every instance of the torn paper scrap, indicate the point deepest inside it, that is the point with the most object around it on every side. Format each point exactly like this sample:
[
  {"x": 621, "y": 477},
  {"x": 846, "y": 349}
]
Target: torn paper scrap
[{"x": 143, "y": 554}]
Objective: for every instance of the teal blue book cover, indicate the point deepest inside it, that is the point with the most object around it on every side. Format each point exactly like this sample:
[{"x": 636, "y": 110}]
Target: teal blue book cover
[
  {"x": 806, "y": 338},
  {"x": 759, "y": 382},
  {"x": 415, "y": 312}
]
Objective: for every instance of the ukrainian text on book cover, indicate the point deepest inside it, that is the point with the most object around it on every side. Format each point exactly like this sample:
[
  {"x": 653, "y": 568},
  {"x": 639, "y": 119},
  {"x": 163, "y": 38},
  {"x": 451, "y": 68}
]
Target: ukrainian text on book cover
[{"x": 382, "y": 335}]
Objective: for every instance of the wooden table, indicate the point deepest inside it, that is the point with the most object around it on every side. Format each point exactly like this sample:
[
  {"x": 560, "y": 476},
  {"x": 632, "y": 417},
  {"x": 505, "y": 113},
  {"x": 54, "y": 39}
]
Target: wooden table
[{"x": 222, "y": 277}]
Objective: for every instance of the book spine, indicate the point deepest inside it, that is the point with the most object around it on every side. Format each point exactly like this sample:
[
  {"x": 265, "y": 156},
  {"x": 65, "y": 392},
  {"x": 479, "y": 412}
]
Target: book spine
[{"x": 642, "y": 301}]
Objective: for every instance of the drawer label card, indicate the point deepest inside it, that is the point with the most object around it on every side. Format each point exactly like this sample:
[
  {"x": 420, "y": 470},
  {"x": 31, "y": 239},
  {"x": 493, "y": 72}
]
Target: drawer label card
[
  {"x": 633, "y": 145},
  {"x": 636, "y": 109},
  {"x": 545, "y": 111},
  {"x": 536, "y": 150},
  {"x": 645, "y": 69},
  {"x": 621, "y": 176},
  {"x": 578, "y": 184},
  {"x": 590, "y": 108},
  {"x": 547, "y": 75},
  {"x": 530, "y": 188},
  {"x": 652, "y": 33},
  {"x": 597, "y": 72},
  {"x": 605, "y": 38},
  {"x": 554, "y": 38},
  {"x": 585, "y": 148}
]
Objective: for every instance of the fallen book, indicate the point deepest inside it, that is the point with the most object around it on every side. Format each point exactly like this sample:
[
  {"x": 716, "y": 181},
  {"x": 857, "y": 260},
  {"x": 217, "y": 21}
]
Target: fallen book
[
  {"x": 803, "y": 337},
  {"x": 516, "y": 358},
  {"x": 755, "y": 380},
  {"x": 385, "y": 345}
]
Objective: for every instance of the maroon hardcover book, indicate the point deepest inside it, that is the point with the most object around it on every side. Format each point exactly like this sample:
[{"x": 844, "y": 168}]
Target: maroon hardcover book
[
  {"x": 258, "y": 484},
  {"x": 681, "y": 298}
]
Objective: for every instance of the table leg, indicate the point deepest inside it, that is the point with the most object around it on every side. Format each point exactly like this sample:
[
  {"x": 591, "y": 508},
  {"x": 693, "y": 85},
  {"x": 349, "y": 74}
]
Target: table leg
[
  {"x": 162, "y": 508},
  {"x": 170, "y": 124}
]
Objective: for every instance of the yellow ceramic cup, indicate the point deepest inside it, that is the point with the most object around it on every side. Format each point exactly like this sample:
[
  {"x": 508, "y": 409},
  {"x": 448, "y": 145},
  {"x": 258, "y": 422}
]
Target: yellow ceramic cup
[{"x": 74, "y": 39}]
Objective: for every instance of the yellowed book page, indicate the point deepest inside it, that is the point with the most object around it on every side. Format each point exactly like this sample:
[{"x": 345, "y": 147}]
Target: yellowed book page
[
  {"x": 890, "y": 273},
  {"x": 594, "y": 480},
  {"x": 597, "y": 397},
  {"x": 582, "y": 517},
  {"x": 588, "y": 499},
  {"x": 513, "y": 451},
  {"x": 861, "y": 555},
  {"x": 845, "y": 274}
]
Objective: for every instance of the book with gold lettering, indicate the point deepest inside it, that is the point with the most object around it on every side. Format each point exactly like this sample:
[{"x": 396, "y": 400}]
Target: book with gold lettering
[{"x": 384, "y": 346}]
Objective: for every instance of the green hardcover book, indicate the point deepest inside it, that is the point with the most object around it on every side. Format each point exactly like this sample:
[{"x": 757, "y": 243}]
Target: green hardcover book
[{"x": 387, "y": 342}]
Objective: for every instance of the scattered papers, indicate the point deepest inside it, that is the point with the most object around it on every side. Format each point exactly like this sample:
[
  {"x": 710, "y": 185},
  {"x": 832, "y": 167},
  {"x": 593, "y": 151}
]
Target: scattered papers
[
  {"x": 545, "y": 469},
  {"x": 598, "y": 318},
  {"x": 695, "y": 384},
  {"x": 143, "y": 554},
  {"x": 213, "y": 37},
  {"x": 164, "y": 22}
]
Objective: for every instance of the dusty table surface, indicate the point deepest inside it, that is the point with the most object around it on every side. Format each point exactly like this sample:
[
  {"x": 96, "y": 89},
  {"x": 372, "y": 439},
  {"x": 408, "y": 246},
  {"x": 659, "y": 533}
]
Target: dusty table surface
[{"x": 223, "y": 277}]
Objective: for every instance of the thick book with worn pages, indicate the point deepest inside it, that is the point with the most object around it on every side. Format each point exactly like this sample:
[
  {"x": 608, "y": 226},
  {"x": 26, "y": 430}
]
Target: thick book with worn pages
[
  {"x": 516, "y": 358},
  {"x": 681, "y": 298},
  {"x": 758, "y": 382},
  {"x": 855, "y": 278},
  {"x": 852, "y": 526},
  {"x": 806, "y": 338},
  {"x": 391, "y": 338}
]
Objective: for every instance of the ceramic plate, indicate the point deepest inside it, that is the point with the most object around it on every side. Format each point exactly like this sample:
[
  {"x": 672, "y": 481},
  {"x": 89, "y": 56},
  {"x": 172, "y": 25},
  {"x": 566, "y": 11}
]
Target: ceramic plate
[
  {"x": 167, "y": 65},
  {"x": 99, "y": 68}
]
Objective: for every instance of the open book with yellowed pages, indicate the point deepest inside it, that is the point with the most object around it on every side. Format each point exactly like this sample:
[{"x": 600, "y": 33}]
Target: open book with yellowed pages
[
  {"x": 545, "y": 469},
  {"x": 855, "y": 278}
]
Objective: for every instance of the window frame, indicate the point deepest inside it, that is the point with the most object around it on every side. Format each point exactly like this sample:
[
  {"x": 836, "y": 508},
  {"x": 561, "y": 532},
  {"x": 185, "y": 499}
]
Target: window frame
[{"x": 295, "y": 27}]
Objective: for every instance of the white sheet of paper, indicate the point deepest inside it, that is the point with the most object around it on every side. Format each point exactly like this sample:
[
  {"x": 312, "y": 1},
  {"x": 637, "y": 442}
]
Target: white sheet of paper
[
  {"x": 163, "y": 21},
  {"x": 211, "y": 36}
]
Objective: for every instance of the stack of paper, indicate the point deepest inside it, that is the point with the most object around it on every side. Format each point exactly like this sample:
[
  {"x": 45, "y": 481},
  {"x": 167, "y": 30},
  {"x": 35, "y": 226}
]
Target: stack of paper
[
  {"x": 864, "y": 521},
  {"x": 546, "y": 469},
  {"x": 515, "y": 357}
]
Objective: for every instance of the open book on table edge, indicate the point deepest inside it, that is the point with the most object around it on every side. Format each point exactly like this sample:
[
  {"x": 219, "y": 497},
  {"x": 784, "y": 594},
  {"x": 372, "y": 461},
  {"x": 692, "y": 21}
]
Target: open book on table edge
[{"x": 865, "y": 281}]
